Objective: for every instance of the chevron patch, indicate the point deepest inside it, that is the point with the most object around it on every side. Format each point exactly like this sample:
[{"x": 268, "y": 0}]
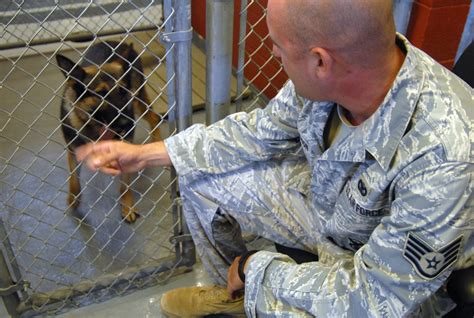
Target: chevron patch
[{"x": 428, "y": 262}]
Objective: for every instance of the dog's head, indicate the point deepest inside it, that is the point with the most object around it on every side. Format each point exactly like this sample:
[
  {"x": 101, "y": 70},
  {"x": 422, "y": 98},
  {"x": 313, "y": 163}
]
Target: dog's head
[{"x": 100, "y": 95}]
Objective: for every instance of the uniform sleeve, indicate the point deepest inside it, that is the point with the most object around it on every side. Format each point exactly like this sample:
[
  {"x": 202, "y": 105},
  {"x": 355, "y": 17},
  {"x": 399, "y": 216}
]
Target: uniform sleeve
[
  {"x": 239, "y": 138},
  {"x": 406, "y": 260}
]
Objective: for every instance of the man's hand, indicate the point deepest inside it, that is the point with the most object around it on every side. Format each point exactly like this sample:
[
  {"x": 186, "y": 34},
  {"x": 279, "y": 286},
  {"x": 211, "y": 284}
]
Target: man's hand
[
  {"x": 116, "y": 157},
  {"x": 234, "y": 284}
]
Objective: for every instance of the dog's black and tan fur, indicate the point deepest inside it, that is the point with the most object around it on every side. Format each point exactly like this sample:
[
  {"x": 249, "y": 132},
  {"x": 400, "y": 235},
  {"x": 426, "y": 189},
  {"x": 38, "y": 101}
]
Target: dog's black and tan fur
[{"x": 101, "y": 96}]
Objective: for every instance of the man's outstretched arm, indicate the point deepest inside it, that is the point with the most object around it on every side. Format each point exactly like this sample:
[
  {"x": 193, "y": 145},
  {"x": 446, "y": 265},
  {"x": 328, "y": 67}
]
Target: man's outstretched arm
[{"x": 116, "y": 157}]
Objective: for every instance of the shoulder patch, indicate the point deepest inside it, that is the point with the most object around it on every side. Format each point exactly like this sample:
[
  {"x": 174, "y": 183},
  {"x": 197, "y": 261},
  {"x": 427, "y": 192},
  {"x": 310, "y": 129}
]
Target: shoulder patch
[{"x": 428, "y": 262}]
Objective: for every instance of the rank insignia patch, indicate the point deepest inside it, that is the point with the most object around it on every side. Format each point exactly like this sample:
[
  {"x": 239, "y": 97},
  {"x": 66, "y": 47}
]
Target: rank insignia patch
[{"x": 427, "y": 261}]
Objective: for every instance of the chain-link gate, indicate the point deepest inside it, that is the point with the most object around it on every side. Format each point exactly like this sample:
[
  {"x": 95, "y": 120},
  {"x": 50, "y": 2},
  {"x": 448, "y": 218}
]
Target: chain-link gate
[{"x": 59, "y": 251}]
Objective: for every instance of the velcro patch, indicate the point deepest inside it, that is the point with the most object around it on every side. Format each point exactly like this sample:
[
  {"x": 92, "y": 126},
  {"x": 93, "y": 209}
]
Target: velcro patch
[{"x": 427, "y": 261}]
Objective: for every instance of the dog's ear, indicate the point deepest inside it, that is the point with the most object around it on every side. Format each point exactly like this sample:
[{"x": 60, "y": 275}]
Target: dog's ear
[
  {"x": 126, "y": 55},
  {"x": 69, "y": 68},
  {"x": 128, "y": 50}
]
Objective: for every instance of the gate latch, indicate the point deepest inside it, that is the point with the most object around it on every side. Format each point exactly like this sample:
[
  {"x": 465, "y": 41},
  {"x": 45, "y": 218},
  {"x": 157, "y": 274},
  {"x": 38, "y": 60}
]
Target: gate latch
[
  {"x": 21, "y": 285},
  {"x": 177, "y": 36}
]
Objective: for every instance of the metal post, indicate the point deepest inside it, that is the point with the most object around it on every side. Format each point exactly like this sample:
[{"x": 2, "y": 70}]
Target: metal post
[
  {"x": 171, "y": 89},
  {"x": 241, "y": 57},
  {"x": 170, "y": 72},
  {"x": 402, "y": 12},
  {"x": 468, "y": 33},
  {"x": 219, "y": 25},
  {"x": 184, "y": 99},
  {"x": 178, "y": 39},
  {"x": 10, "y": 275},
  {"x": 183, "y": 64}
]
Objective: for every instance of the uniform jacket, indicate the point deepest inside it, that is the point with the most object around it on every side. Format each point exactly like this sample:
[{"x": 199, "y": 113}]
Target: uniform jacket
[{"x": 392, "y": 202}]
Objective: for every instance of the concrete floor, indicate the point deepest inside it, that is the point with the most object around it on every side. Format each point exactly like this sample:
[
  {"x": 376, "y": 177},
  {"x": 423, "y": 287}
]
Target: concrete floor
[{"x": 141, "y": 304}]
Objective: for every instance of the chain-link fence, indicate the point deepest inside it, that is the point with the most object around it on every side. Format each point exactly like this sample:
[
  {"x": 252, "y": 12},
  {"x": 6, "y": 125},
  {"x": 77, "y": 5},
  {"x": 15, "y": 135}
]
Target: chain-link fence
[
  {"x": 257, "y": 70},
  {"x": 70, "y": 236}
]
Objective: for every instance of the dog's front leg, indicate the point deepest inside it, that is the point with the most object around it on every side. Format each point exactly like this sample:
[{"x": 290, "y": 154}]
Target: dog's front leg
[
  {"x": 129, "y": 212},
  {"x": 149, "y": 115},
  {"x": 73, "y": 198}
]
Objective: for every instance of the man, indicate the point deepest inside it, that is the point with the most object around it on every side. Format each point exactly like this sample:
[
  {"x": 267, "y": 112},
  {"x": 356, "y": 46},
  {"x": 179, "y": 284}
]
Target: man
[{"x": 364, "y": 158}]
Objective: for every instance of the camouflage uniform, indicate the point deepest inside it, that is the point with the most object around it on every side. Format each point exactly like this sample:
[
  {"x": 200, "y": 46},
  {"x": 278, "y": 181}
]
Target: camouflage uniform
[{"x": 388, "y": 209}]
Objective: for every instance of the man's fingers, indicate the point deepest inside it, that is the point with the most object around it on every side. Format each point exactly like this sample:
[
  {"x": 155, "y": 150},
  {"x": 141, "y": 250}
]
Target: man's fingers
[
  {"x": 230, "y": 292},
  {"x": 232, "y": 283},
  {"x": 83, "y": 151},
  {"x": 228, "y": 282},
  {"x": 98, "y": 161},
  {"x": 110, "y": 171},
  {"x": 112, "y": 168},
  {"x": 99, "y": 157}
]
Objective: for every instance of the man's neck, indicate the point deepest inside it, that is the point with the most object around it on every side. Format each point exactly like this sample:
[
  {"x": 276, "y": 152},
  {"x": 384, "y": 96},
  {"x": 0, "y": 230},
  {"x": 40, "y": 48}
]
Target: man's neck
[{"x": 365, "y": 90}]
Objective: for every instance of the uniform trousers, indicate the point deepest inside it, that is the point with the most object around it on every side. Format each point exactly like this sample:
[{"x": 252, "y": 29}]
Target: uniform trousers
[{"x": 268, "y": 199}]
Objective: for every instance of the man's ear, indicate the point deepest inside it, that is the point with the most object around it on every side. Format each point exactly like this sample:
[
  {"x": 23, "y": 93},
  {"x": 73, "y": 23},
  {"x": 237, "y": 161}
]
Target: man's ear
[
  {"x": 323, "y": 62},
  {"x": 69, "y": 68}
]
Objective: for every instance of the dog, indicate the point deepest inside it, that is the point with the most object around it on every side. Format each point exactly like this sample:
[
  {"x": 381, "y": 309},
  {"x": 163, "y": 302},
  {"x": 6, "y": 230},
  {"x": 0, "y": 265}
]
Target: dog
[{"x": 102, "y": 94}]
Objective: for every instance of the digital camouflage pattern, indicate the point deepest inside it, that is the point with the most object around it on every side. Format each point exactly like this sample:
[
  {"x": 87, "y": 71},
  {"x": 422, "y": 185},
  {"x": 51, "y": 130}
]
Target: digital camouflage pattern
[{"x": 388, "y": 209}]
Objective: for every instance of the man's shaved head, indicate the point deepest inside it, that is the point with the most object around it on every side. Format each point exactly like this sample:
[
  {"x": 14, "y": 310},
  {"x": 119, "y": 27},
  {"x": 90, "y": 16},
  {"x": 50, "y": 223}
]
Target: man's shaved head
[{"x": 355, "y": 28}]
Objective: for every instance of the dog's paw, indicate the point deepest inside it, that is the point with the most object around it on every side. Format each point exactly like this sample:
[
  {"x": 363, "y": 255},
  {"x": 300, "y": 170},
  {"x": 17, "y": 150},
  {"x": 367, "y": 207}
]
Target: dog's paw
[{"x": 130, "y": 215}]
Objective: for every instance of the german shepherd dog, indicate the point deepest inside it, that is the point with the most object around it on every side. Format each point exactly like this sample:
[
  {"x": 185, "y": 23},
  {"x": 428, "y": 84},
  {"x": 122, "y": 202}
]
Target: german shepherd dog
[{"x": 101, "y": 96}]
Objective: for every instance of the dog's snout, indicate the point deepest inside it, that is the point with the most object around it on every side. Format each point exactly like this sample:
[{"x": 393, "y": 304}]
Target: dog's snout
[{"x": 124, "y": 121}]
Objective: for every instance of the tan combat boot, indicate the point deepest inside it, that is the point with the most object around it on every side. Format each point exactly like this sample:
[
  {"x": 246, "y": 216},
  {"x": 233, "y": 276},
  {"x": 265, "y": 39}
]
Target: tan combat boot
[{"x": 189, "y": 302}]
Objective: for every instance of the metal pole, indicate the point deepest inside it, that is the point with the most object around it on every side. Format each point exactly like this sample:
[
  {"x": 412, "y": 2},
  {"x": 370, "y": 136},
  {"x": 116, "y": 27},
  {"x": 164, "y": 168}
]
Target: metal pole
[
  {"x": 178, "y": 39},
  {"x": 402, "y": 12},
  {"x": 468, "y": 33},
  {"x": 184, "y": 99},
  {"x": 9, "y": 275},
  {"x": 183, "y": 64},
  {"x": 170, "y": 73},
  {"x": 171, "y": 88},
  {"x": 241, "y": 57},
  {"x": 219, "y": 25}
]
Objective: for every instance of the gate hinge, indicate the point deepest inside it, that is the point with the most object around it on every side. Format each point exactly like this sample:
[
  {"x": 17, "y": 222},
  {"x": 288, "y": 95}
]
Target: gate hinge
[
  {"x": 178, "y": 36},
  {"x": 21, "y": 285},
  {"x": 178, "y": 201},
  {"x": 180, "y": 238}
]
